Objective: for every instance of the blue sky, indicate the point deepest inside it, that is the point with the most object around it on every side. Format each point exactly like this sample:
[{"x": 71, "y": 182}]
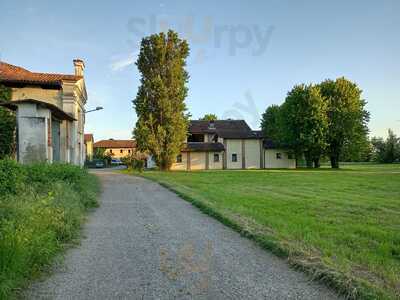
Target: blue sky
[{"x": 245, "y": 55}]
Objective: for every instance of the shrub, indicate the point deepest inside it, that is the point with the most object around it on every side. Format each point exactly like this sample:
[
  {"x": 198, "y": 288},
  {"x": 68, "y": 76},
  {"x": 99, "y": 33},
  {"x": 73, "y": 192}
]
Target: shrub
[
  {"x": 136, "y": 160},
  {"x": 37, "y": 218},
  {"x": 11, "y": 176}
]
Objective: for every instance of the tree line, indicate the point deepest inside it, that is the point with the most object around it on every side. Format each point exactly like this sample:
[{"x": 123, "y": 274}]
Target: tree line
[{"x": 318, "y": 120}]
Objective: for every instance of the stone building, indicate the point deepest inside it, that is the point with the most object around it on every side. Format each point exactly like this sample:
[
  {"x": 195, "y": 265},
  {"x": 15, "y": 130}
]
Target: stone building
[{"x": 50, "y": 111}]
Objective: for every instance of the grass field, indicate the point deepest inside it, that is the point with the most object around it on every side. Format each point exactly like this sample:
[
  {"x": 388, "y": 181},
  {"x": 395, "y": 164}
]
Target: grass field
[{"x": 342, "y": 226}]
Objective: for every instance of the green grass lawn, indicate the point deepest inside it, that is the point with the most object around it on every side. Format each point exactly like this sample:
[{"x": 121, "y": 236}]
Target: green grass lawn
[{"x": 342, "y": 226}]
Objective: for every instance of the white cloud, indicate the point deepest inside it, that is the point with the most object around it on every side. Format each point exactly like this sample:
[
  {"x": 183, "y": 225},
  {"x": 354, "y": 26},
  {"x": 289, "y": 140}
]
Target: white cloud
[{"x": 120, "y": 63}]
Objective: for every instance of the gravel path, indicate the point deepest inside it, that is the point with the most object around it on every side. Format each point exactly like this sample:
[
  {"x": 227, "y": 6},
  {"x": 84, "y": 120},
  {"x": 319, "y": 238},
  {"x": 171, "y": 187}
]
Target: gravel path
[{"x": 146, "y": 243}]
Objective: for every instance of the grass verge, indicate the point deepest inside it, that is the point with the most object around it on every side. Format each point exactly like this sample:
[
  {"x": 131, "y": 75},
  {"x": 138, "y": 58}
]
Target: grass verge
[
  {"x": 41, "y": 209},
  {"x": 341, "y": 227}
]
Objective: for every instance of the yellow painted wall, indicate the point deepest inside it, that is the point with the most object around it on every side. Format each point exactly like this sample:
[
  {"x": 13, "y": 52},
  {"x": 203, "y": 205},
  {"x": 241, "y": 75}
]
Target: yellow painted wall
[
  {"x": 215, "y": 165},
  {"x": 197, "y": 161},
  {"x": 272, "y": 162},
  {"x": 252, "y": 154},
  {"x": 180, "y": 166},
  {"x": 233, "y": 146},
  {"x": 51, "y": 96},
  {"x": 117, "y": 152},
  {"x": 89, "y": 150}
]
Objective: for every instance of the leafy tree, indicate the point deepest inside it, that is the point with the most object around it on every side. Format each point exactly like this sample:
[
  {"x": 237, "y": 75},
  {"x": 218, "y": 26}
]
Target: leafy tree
[
  {"x": 305, "y": 122},
  {"x": 160, "y": 106},
  {"x": 347, "y": 117},
  {"x": 209, "y": 117},
  {"x": 387, "y": 151},
  {"x": 360, "y": 150},
  {"x": 7, "y": 125},
  {"x": 271, "y": 124}
]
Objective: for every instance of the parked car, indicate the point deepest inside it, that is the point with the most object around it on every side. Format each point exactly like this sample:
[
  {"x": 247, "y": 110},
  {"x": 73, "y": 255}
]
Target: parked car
[{"x": 99, "y": 164}]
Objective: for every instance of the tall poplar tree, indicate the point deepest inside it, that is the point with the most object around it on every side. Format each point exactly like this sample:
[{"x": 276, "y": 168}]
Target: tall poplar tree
[{"x": 160, "y": 106}]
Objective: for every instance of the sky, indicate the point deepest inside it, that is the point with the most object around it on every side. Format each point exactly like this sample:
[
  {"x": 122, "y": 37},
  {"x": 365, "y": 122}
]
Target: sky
[{"x": 245, "y": 55}]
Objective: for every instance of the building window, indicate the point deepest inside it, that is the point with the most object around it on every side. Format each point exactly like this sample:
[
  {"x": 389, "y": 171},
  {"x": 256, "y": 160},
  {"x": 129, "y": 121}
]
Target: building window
[
  {"x": 216, "y": 157},
  {"x": 234, "y": 157},
  {"x": 179, "y": 158},
  {"x": 110, "y": 150},
  {"x": 278, "y": 155},
  {"x": 121, "y": 151},
  {"x": 290, "y": 155},
  {"x": 129, "y": 151}
]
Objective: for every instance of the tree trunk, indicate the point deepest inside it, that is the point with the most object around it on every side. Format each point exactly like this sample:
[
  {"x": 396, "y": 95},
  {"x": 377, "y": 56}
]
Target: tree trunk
[
  {"x": 317, "y": 163},
  {"x": 335, "y": 161},
  {"x": 309, "y": 161}
]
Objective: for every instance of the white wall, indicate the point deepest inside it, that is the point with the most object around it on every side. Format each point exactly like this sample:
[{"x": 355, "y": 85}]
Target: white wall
[
  {"x": 215, "y": 165},
  {"x": 271, "y": 162},
  {"x": 197, "y": 161},
  {"x": 252, "y": 153},
  {"x": 182, "y": 166},
  {"x": 233, "y": 146}
]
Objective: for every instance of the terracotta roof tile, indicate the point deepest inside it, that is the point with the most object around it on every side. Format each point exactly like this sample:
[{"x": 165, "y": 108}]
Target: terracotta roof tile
[
  {"x": 88, "y": 137},
  {"x": 115, "y": 144},
  {"x": 13, "y": 74}
]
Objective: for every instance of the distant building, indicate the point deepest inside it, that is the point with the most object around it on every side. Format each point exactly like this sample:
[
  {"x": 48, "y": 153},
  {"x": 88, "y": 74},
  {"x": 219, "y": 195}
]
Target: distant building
[
  {"x": 50, "y": 111},
  {"x": 88, "y": 140},
  {"x": 229, "y": 144},
  {"x": 117, "y": 148}
]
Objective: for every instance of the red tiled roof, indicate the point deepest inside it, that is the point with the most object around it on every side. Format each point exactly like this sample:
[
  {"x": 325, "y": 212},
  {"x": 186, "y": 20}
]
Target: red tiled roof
[
  {"x": 13, "y": 74},
  {"x": 115, "y": 144},
  {"x": 88, "y": 137}
]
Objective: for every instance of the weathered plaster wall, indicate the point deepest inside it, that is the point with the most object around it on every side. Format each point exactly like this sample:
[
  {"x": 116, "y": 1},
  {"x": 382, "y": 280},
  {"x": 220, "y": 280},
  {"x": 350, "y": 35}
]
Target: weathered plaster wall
[
  {"x": 50, "y": 96},
  {"x": 33, "y": 134}
]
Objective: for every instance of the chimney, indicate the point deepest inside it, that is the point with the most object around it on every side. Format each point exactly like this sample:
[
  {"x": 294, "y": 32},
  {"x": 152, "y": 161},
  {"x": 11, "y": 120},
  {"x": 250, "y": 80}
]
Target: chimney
[
  {"x": 211, "y": 124},
  {"x": 79, "y": 66}
]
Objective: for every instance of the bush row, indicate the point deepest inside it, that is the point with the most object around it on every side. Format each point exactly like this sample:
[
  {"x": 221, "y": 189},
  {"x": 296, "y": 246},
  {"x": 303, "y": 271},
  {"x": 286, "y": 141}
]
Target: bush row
[{"x": 41, "y": 208}]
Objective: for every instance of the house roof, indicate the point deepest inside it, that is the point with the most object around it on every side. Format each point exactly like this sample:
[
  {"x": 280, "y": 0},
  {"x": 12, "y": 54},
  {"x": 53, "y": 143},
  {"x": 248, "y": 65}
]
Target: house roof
[
  {"x": 111, "y": 143},
  {"x": 269, "y": 144},
  {"x": 228, "y": 129},
  {"x": 88, "y": 137},
  {"x": 57, "y": 112},
  {"x": 203, "y": 147},
  {"x": 14, "y": 74}
]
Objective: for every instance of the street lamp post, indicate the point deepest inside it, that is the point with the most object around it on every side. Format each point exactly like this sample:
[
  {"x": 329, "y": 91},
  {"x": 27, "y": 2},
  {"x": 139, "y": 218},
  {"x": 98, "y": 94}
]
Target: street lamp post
[{"x": 96, "y": 109}]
